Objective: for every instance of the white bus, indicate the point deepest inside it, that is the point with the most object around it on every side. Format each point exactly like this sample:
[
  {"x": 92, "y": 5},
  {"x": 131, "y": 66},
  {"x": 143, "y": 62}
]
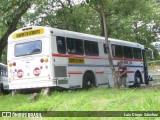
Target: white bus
[
  {"x": 3, "y": 78},
  {"x": 40, "y": 57}
]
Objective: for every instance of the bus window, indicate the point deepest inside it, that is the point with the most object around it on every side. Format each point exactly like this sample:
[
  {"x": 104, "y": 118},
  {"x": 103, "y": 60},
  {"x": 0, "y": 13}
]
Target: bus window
[
  {"x": 61, "y": 44},
  {"x": 105, "y": 49},
  {"x": 79, "y": 46},
  {"x": 91, "y": 48},
  {"x": 117, "y": 51},
  {"x": 75, "y": 46},
  {"x": 127, "y": 51},
  {"x": 137, "y": 53},
  {"x": 28, "y": 48}
]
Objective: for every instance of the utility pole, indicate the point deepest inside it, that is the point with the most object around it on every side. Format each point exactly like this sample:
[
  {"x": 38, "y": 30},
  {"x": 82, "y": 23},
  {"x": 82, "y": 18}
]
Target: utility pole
[{"x": 107, "y": 42}]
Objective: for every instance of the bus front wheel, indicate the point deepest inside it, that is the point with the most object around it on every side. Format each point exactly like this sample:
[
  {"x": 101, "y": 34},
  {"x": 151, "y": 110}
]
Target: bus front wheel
[
  {"x": 137, "y": 80},
  {"x": 88, "y": 80}
]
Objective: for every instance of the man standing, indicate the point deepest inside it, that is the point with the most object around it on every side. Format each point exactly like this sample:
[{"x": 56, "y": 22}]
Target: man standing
[{"x": 122, "y": 74}]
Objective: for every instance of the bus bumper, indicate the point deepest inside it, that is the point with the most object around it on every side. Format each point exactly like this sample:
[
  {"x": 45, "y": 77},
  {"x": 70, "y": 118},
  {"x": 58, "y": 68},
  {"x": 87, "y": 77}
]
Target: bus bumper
[{"x": 26, "y": 84}]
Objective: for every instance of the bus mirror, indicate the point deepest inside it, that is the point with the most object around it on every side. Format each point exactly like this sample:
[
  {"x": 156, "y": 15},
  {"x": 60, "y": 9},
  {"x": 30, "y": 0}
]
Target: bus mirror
[
  {"x": 151, "y": 56},
  {"x": 151, "y": 53}
]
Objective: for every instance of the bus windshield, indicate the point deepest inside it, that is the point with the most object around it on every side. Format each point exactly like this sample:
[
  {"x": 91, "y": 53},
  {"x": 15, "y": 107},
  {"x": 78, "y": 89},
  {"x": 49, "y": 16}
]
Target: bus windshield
[{"x": 28, "y": 48}]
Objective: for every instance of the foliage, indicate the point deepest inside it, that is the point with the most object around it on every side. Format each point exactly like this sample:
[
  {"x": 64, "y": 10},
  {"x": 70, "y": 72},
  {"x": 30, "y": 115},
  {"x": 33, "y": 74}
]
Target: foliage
[
  {"x": 64, "y": 15},
  {"x": 11, "y": 12},
  {"x": 131, "y": 20}
]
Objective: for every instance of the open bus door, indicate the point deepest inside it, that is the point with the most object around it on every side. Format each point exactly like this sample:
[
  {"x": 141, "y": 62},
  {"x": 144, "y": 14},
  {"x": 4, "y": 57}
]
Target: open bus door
[{"x": 145, "y": 66}]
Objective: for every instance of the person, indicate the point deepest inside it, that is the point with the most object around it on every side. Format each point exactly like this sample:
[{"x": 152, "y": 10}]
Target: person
[{"x": 122, "y": 74}]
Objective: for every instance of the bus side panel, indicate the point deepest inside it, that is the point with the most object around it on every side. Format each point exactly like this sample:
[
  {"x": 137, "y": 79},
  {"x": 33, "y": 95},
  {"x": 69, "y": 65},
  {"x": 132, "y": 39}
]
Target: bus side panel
[
  {"x": 103, "y": 74},
  {"x": 59, "y": 66}
]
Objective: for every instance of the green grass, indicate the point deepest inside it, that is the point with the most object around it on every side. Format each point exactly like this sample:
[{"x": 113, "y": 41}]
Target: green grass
[
  {"x": 95, "y": 99},
  {"x": 154, "y": 65}
]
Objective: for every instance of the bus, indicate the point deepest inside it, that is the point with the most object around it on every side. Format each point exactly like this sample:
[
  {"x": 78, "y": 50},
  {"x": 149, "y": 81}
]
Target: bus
[
  {"x": 42, "y": 57},
  {"x": 3, "y": 78}
]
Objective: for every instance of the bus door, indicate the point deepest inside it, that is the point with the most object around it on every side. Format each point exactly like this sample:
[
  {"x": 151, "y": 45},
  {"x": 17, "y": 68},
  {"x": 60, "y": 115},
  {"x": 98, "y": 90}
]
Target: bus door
[
  {"x": 60, "y": 63},
  {"x": 145, "y": 67}
]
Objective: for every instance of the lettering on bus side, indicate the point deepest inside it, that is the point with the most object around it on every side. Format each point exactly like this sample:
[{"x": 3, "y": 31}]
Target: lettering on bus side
[
  {"x": 76, "y": 60},
  {"x": 126, "y": 62}
]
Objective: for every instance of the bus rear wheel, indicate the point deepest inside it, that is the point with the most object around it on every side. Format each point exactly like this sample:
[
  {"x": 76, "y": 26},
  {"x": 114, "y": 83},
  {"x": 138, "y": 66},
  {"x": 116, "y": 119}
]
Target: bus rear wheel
[{"x": 88, "y": 80}]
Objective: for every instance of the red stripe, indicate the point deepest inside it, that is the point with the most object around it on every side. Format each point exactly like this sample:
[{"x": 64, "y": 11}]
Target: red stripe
[
  {"x": 130, "y": 71},
  {"x": 92, "y": 57},
  {"x": 128, "y": 59},
  {"x": 74, "y": 72},
  {"x": 99, "y": 72},
  {"x": 76, "y": 56}
]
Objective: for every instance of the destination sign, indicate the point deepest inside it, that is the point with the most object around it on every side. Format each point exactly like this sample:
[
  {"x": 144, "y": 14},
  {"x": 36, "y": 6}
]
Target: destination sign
[{"x": 28, "y": 33}]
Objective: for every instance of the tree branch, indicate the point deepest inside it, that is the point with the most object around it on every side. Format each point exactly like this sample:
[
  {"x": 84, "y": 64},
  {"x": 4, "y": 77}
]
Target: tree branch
[{"x": 23, "y": 7}]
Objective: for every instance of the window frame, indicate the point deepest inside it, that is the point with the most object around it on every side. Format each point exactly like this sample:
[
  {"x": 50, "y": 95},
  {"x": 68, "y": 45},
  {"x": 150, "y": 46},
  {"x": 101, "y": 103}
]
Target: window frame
[
  {"x": 124, "y": 53},
  {"x": 134, "y": 53},
  {"x": 91, "y": 53},
  {"x": 64, "y": 45},
  {"x": 74, "y": 40},
  {"x": 121, "y": 51},
  {"x": 27, "y": 54}
]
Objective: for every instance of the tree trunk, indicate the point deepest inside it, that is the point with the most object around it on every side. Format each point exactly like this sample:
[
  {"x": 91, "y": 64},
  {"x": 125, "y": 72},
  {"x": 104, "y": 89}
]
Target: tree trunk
[
  {"x": 107, "y": 42},
  {"x": 23, "y": 7},
  {"x": 102, "y": 24}
]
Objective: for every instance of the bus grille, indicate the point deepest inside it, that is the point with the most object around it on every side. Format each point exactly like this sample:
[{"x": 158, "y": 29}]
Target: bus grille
[{"x": 60, "y": 71}]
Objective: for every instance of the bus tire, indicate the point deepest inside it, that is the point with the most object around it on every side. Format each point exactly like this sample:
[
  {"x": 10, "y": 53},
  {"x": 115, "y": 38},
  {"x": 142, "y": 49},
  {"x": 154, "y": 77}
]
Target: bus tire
[
  {"x": 138, "y": 80},
  {"x": 88, "y": 80}
]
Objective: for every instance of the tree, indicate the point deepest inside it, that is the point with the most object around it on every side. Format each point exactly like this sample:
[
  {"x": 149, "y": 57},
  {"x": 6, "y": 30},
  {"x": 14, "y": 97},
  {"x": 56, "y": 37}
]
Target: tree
[
  {"x": 67, "y": 15},
  {"x": 106, "y": 39},
  {"x": 11, "y": 12},
  {"x": 132, "y": 20}
]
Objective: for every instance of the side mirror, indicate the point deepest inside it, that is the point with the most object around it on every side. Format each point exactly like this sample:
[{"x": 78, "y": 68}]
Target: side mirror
[
  {"x": 151, "y": 53},
  {"x": 151, "y": 56}
]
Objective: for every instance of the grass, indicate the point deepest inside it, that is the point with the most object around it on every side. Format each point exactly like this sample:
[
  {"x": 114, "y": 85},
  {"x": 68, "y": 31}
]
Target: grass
[
  {"x": 154, "y": 65},
  {"x": 95, "y": 99}
]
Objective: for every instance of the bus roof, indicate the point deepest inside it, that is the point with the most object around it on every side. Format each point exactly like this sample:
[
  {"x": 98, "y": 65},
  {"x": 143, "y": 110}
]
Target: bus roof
[
  {"x": 94, "y": 37},
  {"x": 125, "y": 43},
  {"x": 84, "y": 36}
]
